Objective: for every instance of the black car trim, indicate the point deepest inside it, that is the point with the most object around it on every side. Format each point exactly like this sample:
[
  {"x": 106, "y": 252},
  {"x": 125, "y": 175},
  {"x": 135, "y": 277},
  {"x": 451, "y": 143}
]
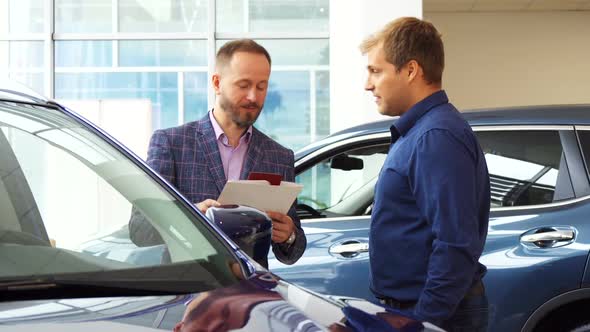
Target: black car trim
[
  {"x": 575, "y": 163},
  {"x": 521, "y": 127},
  {"x": 556, "y": 302},
  {"x": 585, "y": 149}
]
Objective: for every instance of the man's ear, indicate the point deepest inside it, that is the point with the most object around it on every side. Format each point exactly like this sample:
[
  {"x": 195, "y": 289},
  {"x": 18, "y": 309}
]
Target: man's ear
[
  {"x": 413, "y": 69},
  {"x": 216, "y": 83}
]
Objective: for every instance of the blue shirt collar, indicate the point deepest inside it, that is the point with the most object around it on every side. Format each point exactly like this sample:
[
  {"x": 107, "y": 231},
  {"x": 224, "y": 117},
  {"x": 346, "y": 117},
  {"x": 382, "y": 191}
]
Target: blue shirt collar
[{"x": 409, "y": 118}]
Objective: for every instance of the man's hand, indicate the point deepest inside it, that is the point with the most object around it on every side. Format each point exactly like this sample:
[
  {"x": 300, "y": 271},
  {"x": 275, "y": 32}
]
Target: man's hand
[
  {"x": 206, "y": 204},
  {"x": 282, "y": 226}
]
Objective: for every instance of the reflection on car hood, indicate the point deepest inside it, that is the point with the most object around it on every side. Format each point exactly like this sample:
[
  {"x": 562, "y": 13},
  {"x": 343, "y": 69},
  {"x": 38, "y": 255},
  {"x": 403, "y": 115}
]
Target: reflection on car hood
[{"x": 261, "y": 303}]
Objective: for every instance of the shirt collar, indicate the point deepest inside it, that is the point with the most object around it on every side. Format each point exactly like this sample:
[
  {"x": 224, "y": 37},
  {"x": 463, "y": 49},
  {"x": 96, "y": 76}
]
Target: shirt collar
[
  {"x": 220, "y": 135},
  {"x": 409, "y": 118}
]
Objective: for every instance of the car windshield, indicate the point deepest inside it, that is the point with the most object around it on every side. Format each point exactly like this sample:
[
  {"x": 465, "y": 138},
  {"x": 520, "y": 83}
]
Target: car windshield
[{"x": 67, "y": 197}]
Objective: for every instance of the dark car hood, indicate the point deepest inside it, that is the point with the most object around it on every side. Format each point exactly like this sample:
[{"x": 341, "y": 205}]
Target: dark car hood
[{"x": 261, "y": 303}]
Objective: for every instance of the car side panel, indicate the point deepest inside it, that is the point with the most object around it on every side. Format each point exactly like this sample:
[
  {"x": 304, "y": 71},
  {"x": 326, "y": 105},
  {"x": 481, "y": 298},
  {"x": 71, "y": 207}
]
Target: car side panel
[
  {"x": 521, "y": 277},
  {"x": 321, "y": 271}
]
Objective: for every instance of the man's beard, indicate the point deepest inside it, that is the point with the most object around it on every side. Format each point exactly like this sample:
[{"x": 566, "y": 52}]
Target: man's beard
[{"x": 234, "y": 111}]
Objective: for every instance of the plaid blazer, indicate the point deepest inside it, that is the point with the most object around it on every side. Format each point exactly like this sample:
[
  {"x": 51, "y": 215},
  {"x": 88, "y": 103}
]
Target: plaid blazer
[{"x": 187, "y": 156}]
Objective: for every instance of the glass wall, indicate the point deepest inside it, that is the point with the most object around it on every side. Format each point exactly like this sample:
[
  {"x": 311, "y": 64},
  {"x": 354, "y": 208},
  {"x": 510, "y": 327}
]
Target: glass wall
[{"x": 160, "y": 51}]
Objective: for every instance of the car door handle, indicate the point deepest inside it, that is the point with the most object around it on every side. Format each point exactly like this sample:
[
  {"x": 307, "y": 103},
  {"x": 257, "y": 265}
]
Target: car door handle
[
  {"x": 349, "y": 248},
  {"x": 556, "y": 235}
]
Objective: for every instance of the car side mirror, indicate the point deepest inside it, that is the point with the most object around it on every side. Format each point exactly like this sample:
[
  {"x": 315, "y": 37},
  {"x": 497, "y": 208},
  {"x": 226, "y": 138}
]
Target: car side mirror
[
  {"x": 346, "y": 163},
  {"x": 249, "y": 228}
]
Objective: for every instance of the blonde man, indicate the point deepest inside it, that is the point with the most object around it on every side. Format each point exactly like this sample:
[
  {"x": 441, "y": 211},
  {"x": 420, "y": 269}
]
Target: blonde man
[{"x": 430, "y": 217}]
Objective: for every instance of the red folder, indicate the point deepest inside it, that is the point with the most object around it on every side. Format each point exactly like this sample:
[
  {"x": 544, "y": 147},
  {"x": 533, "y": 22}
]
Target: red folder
[{"x": 274, "y": 179}]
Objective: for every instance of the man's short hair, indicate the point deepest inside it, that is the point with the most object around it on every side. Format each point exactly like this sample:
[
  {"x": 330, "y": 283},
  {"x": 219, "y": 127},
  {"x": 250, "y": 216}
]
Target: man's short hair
[
  {"x": 227, "y": 51},
  {"x": 409, "y": 38}
]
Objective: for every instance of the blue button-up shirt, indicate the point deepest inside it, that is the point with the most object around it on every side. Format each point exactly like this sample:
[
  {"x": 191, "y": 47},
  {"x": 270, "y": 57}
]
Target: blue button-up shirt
[{"x": 430, "y": 217}]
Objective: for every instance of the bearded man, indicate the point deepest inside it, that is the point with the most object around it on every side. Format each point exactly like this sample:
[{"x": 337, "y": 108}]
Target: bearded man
[{"x": 199, "y": 157}]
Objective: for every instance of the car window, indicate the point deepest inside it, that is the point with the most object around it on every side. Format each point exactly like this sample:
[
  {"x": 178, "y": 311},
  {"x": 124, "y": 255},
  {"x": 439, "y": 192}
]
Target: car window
[
  {"x": 526, "y": 167},
  {"x": 532, "y": 172},
  {"x": 67, "y": 197},
  {"x": 343, "y": 184}
]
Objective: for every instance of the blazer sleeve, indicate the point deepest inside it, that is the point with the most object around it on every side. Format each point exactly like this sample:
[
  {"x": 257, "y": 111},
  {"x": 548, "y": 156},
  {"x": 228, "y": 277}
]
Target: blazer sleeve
[
  {"x": 289, "y": 254},
  {"x": 160, "y": 159}
]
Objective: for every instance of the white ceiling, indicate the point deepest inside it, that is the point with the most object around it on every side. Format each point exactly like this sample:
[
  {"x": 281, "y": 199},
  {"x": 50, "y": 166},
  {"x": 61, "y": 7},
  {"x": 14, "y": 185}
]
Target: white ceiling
[{"x": 504, "y": 5}]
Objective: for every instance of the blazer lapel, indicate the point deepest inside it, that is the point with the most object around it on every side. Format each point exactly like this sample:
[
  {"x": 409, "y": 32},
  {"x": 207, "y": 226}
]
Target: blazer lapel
[
  {"x": 252, "y": 156},
  {"x": 208, "y": 143}
]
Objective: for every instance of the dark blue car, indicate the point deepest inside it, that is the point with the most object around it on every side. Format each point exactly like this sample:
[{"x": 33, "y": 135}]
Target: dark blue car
[
  {"x": 68, "y": 262},
  {"x": 539, "y": 231}
]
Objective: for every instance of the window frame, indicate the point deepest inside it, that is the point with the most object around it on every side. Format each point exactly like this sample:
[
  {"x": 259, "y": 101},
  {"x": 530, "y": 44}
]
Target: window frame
[
  {"x": 332, "y": 149},
  {"x": 565, "y": 133},
  {"x": 570, "y": 145},
  {"x": 330, "y": 155}
]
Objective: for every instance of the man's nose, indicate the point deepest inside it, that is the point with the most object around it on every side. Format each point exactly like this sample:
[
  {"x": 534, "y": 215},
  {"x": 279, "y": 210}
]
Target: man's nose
[
  {"x": 369, "y": 85},
  {"x": 251, "y": 96}
]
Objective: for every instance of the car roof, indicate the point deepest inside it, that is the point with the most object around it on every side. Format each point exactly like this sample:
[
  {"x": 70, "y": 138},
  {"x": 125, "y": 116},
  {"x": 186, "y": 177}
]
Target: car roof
[
  {"x": 14, "y": 91},
  {"x": 523, "y": 115}
]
